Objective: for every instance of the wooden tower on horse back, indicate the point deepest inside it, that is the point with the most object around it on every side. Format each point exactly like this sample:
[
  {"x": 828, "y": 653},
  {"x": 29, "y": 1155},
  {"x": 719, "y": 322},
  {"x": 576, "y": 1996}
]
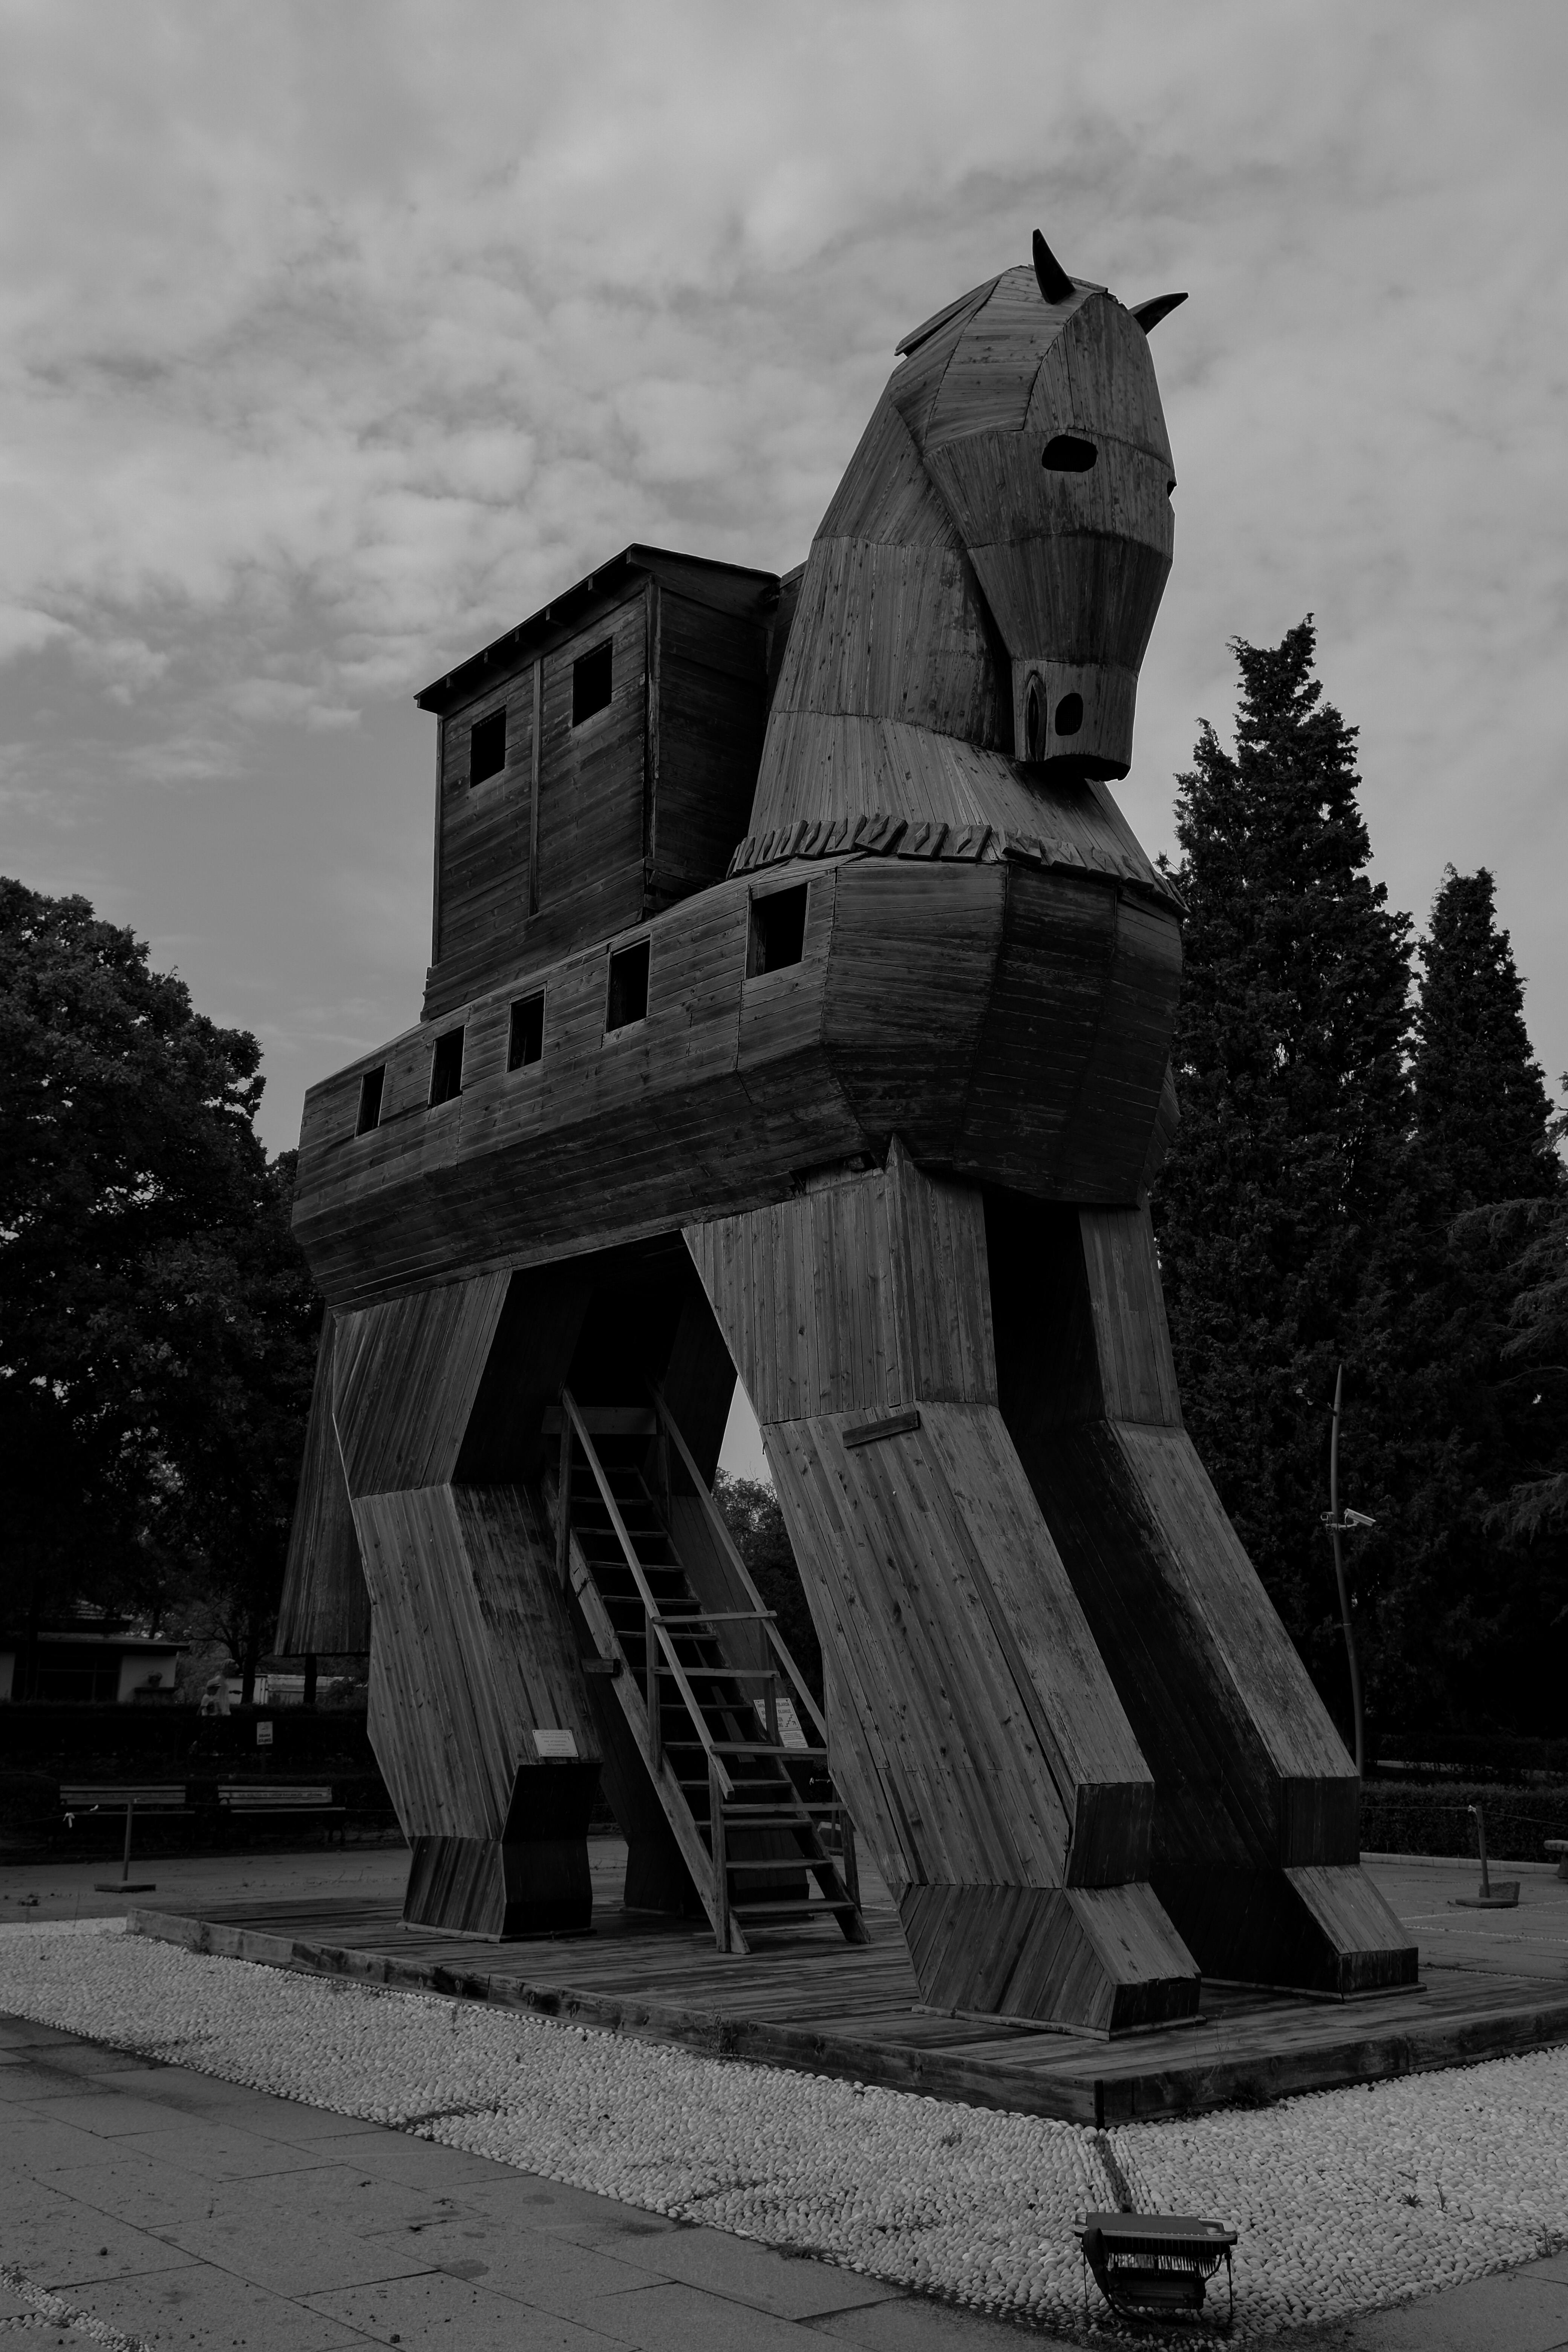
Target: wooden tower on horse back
[{"x": 800, "y": 1006}]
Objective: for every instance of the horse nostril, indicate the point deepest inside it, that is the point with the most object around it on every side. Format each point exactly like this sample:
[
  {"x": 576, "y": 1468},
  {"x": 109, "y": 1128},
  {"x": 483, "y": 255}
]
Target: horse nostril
[
  {"x": 1069, "y": 714},
  {"x": 1069, "y": 453},
  {"x": 1034, "y": 720}
]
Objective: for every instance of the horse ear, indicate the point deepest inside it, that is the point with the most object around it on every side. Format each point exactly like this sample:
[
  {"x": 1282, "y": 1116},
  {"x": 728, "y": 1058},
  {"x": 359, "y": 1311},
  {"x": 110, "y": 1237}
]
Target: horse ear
[
  {"x": 1159, "y": 306},
  {"x": 1054, "y": 283}
]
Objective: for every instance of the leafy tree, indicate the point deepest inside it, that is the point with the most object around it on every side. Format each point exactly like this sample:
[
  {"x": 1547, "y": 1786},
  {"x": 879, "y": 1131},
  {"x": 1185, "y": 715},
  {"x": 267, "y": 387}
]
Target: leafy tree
[
  {"x": 756, "y": 1523},
  {"x": 1288, "y": 1170},
  {"x": 156, "y": 1319}
]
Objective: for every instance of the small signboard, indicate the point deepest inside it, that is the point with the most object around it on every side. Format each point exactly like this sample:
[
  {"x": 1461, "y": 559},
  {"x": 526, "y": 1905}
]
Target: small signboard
[
  {"x": 552, "y": 1743},
  {"x": 264, "y": 1735}
]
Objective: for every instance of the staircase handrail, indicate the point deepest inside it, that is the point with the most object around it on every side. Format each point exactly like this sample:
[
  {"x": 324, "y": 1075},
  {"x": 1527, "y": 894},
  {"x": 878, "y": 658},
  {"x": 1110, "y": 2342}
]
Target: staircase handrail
[
  {"x": 727, "y": 1542},
  {"x": 656, "y": 1623}
]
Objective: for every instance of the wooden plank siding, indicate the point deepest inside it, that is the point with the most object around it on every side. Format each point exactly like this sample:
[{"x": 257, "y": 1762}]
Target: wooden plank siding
[
  {"x": 406, "y": 1377},
  {"x": 591, "y": 826},
  {"x": 325, "y": 1608},
  {"x": 924, "y": 1000},
  {"x": 473, "y": 1655},
  {"x": 711, "y": 706},
  {"x": 484, "y": 829},
  {"x": 971, "y": 1717},
  {"x": 1255, "y": 1845}
]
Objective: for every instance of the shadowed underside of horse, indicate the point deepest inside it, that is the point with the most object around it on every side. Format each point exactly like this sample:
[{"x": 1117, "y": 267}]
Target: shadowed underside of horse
[{"x": 799, "y": 1007}]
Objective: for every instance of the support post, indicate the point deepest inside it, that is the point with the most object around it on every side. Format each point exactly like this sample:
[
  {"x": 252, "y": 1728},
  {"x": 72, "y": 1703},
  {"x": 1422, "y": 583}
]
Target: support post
[
  {"x": 126, "y": 1885},
  {"x": 655, "y": 1702},
  {"x": 848, "y": 1867},
  {"x": 564, "y": 1503},
  {"x": 721, "y": 1858},
  {"x": 1336, "y": 1526}
]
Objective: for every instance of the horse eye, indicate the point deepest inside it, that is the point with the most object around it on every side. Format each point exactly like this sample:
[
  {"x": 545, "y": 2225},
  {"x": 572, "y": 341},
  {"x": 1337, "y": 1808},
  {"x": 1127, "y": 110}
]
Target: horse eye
[{"x": 1066, "y": 452}]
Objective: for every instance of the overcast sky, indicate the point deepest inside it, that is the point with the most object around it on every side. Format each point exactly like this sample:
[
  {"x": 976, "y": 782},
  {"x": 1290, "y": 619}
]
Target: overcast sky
[{"x": 335, "y": 336}]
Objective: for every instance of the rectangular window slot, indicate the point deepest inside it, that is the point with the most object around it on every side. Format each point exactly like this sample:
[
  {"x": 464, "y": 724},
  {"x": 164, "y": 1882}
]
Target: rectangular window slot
[
  {"x": 628, "y": 987},
  {"x": 447, "y": 1068},
  {"x": 487, "y": 746},
  {"x": 525, "y": 1037},
  {"x": 591, "y": 682},
  {"x": 369, "y": 1090},
  {"x": 777, "y": 935}
]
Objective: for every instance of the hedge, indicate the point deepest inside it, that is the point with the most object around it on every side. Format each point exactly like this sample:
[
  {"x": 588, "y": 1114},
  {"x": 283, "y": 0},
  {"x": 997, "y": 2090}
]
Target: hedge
[{"x": 1406, "y": 1818}]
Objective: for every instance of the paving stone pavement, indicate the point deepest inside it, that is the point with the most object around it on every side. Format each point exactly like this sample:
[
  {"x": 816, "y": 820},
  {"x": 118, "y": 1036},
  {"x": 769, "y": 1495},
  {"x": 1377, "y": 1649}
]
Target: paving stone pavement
[
  {"x": 145, "y": 2205},
  {"x": 169, "y": 2208},
  {"x": 145, "y": 2202}
]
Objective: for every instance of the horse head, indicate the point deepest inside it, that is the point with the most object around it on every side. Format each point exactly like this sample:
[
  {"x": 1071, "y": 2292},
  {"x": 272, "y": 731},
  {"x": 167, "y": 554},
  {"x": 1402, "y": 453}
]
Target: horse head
[{"x": 988, "y": 572}]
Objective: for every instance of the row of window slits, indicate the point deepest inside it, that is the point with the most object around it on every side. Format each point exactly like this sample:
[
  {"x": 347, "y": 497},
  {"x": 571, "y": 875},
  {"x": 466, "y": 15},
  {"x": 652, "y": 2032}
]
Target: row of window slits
[
  {"x": 592, "y": 681},
  {"x": 775, "y": 937}
]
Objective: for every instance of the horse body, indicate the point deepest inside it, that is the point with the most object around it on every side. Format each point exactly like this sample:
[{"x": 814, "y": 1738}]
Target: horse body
[{"x": 910, "y": 1172}]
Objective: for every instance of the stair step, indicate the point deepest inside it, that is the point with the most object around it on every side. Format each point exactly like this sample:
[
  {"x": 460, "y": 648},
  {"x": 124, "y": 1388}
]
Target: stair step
[
  {"x": 769, "y": 1747},
  {"x": 832, "y": 1908},
  {"x": 624, "y": 1542},
  {"x": 745, "y": 1817},
  {"x": 779, "y": 1865}
]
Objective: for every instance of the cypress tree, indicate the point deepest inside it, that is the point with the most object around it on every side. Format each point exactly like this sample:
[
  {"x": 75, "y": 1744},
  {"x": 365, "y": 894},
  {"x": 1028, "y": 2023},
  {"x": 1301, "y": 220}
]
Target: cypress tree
[
  {"x": 1482, "y": 1116},
  {"x": 1479, "y": 1417},
  {"x": 1288, "y": 1170}
]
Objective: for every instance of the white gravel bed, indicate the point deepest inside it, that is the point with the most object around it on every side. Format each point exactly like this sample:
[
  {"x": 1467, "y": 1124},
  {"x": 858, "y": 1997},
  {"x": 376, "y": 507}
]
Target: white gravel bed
[{"x": 1344, "y": 2200}]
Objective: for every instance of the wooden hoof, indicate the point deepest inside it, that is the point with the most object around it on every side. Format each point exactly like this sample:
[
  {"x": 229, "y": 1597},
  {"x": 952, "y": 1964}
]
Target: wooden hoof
[
  {"x": 477, "y": 1886},
  {"x": 1322, "y": 1930},
  {"x": 1100, "y": 1959}
]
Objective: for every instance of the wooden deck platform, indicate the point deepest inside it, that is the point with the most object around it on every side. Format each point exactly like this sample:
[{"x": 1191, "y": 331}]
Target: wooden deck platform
[{"x": 1491, "y": 1984}]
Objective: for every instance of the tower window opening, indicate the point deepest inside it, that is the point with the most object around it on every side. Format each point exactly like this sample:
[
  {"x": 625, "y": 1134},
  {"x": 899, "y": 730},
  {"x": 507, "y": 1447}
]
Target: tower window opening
[
  {"x": 525, "y": 1035},
  {"x": 592, "y": 681},
  {"x": 447, "y": 1068},
  {"x": 370, "y": 1087},
  {"x": 777, "y": 934},
  {"x": 627, "y": 998},
  {"x": 487, "y": 746}
]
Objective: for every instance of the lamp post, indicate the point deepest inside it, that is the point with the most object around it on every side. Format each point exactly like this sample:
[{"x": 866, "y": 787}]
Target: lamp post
[{"x": 1337, "y": 1521}]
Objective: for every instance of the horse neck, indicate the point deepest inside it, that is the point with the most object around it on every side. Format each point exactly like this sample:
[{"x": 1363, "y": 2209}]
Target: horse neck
[{"x": 891, "y": 641}]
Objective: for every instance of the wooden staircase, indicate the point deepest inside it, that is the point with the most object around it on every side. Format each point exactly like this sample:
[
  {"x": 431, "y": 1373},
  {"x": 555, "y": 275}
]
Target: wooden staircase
[{"x": 758, "y": 1820}]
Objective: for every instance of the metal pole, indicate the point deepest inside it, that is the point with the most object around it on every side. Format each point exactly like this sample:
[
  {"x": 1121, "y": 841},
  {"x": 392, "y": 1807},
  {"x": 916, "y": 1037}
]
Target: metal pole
[
  {"x": 1336, "y": 1526},
  {"x": 125, "y": 1862},
  {"x": 1481, "y": 1844}
]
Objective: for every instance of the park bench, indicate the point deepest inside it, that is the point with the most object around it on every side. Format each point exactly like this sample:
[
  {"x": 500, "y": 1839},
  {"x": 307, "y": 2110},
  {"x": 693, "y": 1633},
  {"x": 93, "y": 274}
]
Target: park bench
[
  {"x": 166, "y": 1798},
  {"x": 1148, "y": 2264},
  {"x": 103, "y": 1797},
  {"x": 252, "y": 1799},
  {"x": 1559, "y": 1846}
]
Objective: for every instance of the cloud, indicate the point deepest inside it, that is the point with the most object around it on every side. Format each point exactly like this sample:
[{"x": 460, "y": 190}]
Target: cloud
[
  {"x": 25, "y": 630},
  {"x": 334, "y": 340}
]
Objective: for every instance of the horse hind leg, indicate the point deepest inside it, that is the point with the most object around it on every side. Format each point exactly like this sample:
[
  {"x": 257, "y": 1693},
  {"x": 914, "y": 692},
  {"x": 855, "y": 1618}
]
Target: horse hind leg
[{"x": 1256, "y": 1851}]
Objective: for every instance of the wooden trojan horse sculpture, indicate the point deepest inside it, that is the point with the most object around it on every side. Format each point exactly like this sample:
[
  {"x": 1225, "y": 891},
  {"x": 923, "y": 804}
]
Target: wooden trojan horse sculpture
[{"x": 867, "y": 1108}]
